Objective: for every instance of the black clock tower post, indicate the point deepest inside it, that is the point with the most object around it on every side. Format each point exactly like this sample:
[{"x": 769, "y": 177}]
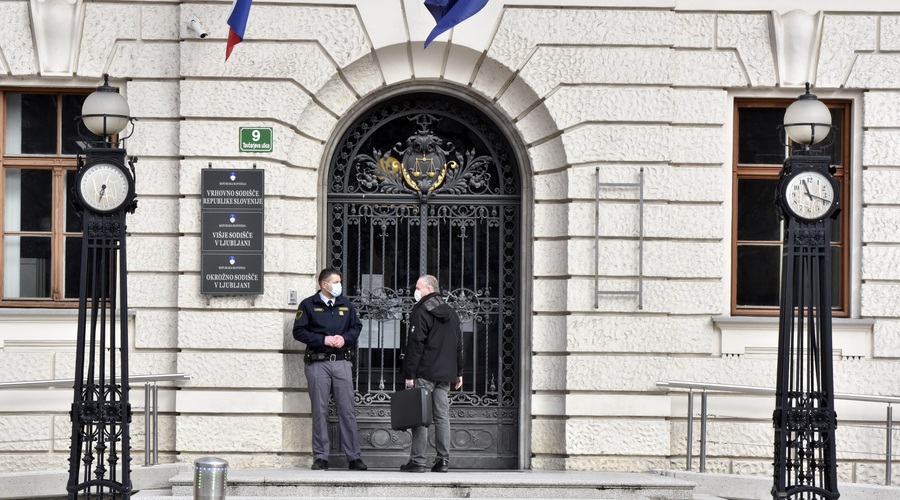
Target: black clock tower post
[
  {"x": 100, "y": 454},
  {"x": 804, "y": 416}
]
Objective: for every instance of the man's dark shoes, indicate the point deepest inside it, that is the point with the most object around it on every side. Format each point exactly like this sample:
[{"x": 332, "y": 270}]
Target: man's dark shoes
[
  {"x": 319, "y": 464},
  {"x": 411, "y": 467},
  {"x": 357, "y": 465},
  {"x": 441, "y": 465}
]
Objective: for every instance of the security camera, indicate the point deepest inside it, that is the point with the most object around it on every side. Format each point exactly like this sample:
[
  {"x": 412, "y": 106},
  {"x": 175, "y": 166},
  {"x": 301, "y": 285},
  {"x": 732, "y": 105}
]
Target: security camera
[{"x": 197, "y": 28}]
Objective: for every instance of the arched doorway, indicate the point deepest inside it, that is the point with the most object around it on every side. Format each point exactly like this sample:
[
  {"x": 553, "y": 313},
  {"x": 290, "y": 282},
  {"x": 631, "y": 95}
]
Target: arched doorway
[{"x": 427, "y": 183}]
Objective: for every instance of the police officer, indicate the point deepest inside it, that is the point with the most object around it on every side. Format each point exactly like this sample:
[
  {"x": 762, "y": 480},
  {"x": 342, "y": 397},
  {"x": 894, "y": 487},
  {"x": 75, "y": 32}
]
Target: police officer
[{"x": 326, "y": 322}]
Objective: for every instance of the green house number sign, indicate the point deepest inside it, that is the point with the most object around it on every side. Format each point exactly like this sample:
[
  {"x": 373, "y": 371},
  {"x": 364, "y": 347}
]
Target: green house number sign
[{"x": 256, "y": 140}]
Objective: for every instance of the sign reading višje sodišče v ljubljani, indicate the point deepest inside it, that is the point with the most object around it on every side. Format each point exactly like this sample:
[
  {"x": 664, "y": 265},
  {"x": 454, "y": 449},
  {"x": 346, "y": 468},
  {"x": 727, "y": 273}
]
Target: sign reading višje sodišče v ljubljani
[{"x": 232, "y": 221}]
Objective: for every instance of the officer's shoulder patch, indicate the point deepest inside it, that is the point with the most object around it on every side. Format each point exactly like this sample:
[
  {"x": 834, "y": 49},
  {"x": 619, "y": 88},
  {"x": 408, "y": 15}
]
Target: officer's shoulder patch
[
  {"x": 299, "y": 315},
  {"x": 343, "y": 308},
  {"x": 318, "y": 309}
]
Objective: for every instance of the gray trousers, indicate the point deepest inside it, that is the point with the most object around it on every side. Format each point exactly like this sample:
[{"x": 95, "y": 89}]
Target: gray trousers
[
  {"x": 440, "y": 407},
  {"x": 323, "y": 378}
]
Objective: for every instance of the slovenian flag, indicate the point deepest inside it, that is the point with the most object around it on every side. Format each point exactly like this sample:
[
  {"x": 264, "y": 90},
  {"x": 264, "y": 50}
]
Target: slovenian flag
[
  {"x": 240, "y": 11},
  {"x": 449, "y": 13}
]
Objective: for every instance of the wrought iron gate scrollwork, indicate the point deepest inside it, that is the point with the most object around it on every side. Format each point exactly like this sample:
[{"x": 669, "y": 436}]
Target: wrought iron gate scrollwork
[{"x": 426, "y": 183}]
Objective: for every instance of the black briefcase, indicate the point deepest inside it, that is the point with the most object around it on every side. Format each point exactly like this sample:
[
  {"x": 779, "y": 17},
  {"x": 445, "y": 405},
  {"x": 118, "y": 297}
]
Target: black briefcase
[{"x": 411, "y": 408}]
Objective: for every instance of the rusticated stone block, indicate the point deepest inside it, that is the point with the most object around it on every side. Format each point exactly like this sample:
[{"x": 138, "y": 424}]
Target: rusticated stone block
[
  {"x": 297, "y": 435},
  {"x": 698, "y": 145},
  {"x": 153, "y": 253},
  {"x": 615, "y": 464},
  {"x": 548, "y": 334},
  {"x": 887, "y": 338},
  {"x": 552, "y": 186},
  {"x": 633, "y": 143},
  {"x": 232, "y": 369},
  {"x": 143, "y": 59},
  {"x": 28, "y": 462},
  {"x": 549, "y": 155},
  {"x": 156, "y": 138},
  {"x": 639, "y": 334},
  {"x": 550, "y": 258},
  {"x": 548, "y": 373},
  {"x": 257, "y": 330},
  {"x": 881, "y": 108},
  {"x": 549, "y": 295},
  {"x": 104, "y": 25},
  {"x": 155, "y": 216},
  {"x": 881, "y": 263},
  {"x": 622, "y": 219},
  {"x": 153, "y": 99},
  {"x": 521, "y": 30},
  {"x": 548, "y": 436},
  {"x": 155, "y": 329},
  {"x": 694, "y": 30},
  {"x": 749, "y": 35},
  {"x": 211, "y": 138},
  {"x": 661, "y": 258},
  {"x": 614, "y": 373},
  {"x": 890, "y": 32},
  {"x": 25, "y": 366},
  {"x": 570, "y": 106},
  {"x": 278, "y": 100},
  {"x": 881, "y": 225},
  {"x": 159, "y": 22},
  {"x": 156, "y": 177},
  {"x": 617, "y": 437},
  {"x": 881, "y": 186},
  {"x": 881, "y": 147},
  {"x": 706, "y": 68},
  {"x": 215, "y": 434},
  {"x": 742, "y": 439},
  {"x": 152, "y": 290},
  {"x": 16, "y": 42},
  {"x": 151, "y": 363},
  {"x": 707, "y": 107},
  {"x": 537, "y": 124},
  {"x": 25, "y": 432},
  {"x": 874, "y": 71},
  {"x": 550, "y": 220},
  {"x": 671, "y": 183},
  {"x": 842, "y": 38}
]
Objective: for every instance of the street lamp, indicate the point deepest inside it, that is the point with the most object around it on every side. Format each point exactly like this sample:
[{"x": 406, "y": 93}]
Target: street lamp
[
  {"x": 804, "y": 419},
  {"x": 100, "y": 453}
]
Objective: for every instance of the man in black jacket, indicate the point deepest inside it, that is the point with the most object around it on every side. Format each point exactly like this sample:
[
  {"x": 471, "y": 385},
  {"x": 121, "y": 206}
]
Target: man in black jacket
[
  {"x": 327, "y": 323},
  {"x": 433, "y": 360}
]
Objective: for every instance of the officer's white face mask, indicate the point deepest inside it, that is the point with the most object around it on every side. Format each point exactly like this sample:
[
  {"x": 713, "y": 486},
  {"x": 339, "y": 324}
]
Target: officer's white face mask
[
  {"x": 418, "y": 295},
  {"x": 336, "y": 289}
]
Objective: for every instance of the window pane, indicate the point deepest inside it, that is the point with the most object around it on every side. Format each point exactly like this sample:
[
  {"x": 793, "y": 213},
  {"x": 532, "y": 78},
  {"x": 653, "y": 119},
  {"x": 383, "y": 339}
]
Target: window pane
[
  {"x": 836, "y": 222},
  {"x": 759, "y": 142},
  {"x": 74, "y": 222},
  {"x": 74, "y": 136},
  {"x": 26, "y": 269},
  {"x": 833, "y": 149},
  {"x": 72, "y": 266},
  {"x": 28, "y": 200},
  {"x": 31, "y": 126},
  {"x": 758, "y": 275},
  {"x": 757, "y": 217}
]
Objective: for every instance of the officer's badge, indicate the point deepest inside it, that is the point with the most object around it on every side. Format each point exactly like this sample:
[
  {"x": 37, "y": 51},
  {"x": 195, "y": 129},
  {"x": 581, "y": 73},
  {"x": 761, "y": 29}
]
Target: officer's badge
[{"x": 298, "y": 316}]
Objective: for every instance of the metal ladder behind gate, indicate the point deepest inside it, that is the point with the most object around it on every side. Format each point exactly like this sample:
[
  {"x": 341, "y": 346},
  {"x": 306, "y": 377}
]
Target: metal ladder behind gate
[{"x": 640, "y": 279}]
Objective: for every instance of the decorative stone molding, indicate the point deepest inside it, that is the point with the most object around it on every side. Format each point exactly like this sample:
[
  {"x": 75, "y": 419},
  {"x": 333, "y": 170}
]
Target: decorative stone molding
[
  {"x": 57, "y": 24},
  {"x": 758, "y": 336},
  {"x": 797, "y": 36}
]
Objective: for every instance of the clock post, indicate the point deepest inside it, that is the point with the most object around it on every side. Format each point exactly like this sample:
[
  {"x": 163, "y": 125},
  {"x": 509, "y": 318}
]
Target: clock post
[
  {"x": 804, "y": 417},
  {"x": 100, "y": 453}
]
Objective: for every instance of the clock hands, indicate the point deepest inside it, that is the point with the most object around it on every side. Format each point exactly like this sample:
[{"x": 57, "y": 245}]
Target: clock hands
[{"x": 812, "y": 196}]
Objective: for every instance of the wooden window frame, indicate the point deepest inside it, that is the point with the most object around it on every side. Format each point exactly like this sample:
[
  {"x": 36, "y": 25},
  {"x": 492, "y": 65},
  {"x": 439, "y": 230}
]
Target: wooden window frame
[
  {"x": 767, "y": 171},
  {"x": 58, "y": 164}
]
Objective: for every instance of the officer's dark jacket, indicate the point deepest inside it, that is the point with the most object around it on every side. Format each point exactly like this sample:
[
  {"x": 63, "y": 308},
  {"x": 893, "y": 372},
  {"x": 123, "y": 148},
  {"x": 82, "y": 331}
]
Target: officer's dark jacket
[
  {"x": 315, "y": 320},
  {"x": 433, "y": 341}
]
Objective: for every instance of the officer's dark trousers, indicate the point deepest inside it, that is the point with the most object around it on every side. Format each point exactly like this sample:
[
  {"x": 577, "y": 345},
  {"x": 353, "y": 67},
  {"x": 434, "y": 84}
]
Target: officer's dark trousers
[{"x": 323, "y": 377}]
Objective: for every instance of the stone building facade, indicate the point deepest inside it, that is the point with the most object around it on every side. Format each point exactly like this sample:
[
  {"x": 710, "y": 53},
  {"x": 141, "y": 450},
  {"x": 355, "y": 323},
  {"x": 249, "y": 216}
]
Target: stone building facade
[{"x": 581, "y": 88}]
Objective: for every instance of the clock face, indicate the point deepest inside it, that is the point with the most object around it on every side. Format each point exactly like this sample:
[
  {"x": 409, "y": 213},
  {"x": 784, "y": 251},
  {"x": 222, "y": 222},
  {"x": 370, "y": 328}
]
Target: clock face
[
  {"x": 809, "y": 195},
  {"x": 104, "y": 187}
]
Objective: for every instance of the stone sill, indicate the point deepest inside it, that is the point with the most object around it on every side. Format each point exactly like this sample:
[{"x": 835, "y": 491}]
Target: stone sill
[
  {"x": 30, "y": 330},
  {"x": 755, "y": 336}
]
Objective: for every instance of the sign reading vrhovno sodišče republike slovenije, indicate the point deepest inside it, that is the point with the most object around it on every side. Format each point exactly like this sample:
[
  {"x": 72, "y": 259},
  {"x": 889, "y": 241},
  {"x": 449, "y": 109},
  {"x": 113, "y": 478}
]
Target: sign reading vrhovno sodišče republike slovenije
[{"x": 232, "y": 221}]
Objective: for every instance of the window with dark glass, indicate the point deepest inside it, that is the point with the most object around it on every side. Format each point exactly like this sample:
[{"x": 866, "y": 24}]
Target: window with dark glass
[
  {"x": 41, "y": 231},
  {"x": 757, "y": 227}
]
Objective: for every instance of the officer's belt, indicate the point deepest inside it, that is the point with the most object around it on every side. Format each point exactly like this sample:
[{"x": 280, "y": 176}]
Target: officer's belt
[{"x": 321, "y": 356}]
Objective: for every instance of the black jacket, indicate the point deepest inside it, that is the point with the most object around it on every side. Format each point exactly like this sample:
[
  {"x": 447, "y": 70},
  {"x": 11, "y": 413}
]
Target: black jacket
[
  {"x": 315, "y": 320},
  {"x": 433, "y": 341}
]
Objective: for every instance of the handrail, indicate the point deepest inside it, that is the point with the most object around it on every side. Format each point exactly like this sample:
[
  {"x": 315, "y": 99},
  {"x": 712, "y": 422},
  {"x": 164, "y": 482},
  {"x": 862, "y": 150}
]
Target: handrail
[
  {"x": 132, "y": 379},
  {"x": 68, "y": 382},
  {"x": 748, "y": 389}
]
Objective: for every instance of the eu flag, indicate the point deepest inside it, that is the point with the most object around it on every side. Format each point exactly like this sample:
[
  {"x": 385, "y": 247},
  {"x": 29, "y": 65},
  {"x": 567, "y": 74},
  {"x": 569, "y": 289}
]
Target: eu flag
[{"x": 449, "y": 13}]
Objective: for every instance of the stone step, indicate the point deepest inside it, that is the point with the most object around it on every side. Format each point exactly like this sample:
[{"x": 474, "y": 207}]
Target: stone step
[{"x": 307, "y": 484}]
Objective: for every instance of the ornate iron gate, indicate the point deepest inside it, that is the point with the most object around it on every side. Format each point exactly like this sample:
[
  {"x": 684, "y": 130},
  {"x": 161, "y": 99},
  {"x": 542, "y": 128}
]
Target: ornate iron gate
[{"x": 426, "y": 183}]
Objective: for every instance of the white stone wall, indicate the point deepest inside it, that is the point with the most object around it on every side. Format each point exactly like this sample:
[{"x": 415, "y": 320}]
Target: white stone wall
[{"x": 590, "y": 91}]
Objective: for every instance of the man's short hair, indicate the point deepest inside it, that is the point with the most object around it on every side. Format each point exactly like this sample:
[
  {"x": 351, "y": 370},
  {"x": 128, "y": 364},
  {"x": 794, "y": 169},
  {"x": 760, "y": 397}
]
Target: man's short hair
[
  {"x": 430, "y": 281},
  {"x": 327, "y": 273}
]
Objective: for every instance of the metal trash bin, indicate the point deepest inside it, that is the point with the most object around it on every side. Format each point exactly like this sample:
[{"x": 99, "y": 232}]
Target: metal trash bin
[{"x": 210, "y": 478}]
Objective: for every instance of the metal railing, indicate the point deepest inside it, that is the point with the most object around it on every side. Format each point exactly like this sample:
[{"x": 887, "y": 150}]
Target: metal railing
[
  {"x": 746, "y": 389},
  {"x": 151, "y": 403}
]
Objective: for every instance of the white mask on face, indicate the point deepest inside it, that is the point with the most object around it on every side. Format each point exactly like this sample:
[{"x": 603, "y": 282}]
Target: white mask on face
[
  {"x": 336, "y": 289},
  {"x": 417, "y": 295}
]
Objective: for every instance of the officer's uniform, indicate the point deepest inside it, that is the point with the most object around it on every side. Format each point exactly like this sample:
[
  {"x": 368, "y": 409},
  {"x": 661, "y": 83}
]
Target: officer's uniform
[{"x": 328, "y": 369}]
